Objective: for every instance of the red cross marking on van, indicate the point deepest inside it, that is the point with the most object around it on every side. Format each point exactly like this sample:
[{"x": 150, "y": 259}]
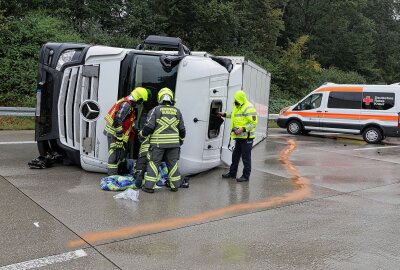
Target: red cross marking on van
[{"x": 367, "y": 100}]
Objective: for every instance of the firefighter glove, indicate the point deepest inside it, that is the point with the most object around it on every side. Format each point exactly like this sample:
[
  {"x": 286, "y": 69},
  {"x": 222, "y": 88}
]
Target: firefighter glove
[
  {"x": 140, "y": 137},
  {"x": 120, "y": 144}
]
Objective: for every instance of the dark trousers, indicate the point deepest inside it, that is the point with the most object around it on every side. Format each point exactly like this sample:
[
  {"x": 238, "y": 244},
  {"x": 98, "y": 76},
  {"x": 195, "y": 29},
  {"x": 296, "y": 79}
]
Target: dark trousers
[
  {"x": 140, "y": 168},
  {"x": 242, "y": 149}
]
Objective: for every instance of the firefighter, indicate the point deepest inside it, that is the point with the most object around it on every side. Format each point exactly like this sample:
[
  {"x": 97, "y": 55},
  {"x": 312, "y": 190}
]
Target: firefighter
[
  {"x": 167, "y": 131},
  {"x": 244, "y": 120},
  {"x": 119, "y": 129}
]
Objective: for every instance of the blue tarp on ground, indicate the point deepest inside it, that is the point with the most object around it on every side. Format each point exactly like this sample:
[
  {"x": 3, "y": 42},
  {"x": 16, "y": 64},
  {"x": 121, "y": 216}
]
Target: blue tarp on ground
[{"x": 123, "y": 182}]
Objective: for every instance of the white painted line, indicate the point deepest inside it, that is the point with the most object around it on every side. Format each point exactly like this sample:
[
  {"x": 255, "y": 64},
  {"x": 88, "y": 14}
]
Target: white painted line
[
  {"x": 46, "y": 261},
  {"x": 372, "y": 148},
  {"x": 279, "y": 135},
  {"x": 36, "y": 224},
  {"x": 21, "y": 142}
]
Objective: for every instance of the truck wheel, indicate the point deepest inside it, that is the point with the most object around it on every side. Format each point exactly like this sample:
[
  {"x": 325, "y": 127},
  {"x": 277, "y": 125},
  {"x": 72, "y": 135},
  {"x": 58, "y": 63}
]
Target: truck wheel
[
  {"x": 372, "y": 135},
  {"x": 294, "y": 127}
]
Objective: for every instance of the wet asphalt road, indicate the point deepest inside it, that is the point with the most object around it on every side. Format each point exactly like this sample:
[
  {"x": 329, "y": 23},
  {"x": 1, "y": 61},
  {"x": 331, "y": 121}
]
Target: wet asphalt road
[{"x": 313, "y": 202}]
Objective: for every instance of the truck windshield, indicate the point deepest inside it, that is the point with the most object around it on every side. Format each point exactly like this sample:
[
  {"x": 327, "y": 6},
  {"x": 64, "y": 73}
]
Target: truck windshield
[{"x": 148, "y": 72}]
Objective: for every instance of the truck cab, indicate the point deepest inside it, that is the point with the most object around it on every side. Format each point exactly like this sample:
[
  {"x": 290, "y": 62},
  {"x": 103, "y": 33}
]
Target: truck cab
[{"x": 78, "y": 84}]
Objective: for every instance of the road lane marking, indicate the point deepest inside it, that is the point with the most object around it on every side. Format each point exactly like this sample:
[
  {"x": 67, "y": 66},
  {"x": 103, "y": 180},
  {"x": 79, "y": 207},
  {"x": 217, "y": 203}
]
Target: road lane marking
[
  {"x": 301, "y": 191},
  {"x": 36, "y": 224},
  {"x": 20, "y": 142},
  {"x": 46, "y": 260},
  {"x": 371, "y": 148},
  {"x": 280, "y": 135}
]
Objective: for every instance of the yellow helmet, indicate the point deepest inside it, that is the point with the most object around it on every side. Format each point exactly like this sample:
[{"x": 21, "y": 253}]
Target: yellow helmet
[
  {"x": 165, "y": 94},
  {"x": 140, "y": 93}
]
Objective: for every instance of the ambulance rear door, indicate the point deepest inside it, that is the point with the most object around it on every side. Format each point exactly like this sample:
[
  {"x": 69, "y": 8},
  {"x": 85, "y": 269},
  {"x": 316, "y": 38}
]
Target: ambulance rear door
[{"x": 379, "y": 107}]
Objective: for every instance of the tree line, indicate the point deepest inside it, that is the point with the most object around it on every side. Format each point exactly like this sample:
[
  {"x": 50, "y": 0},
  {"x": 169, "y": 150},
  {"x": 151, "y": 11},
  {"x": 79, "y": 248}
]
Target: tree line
[{"x": 303, "y": 43}]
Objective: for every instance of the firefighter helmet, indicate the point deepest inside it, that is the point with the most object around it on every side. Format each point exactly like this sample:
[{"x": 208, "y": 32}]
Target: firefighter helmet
[
  {"x": 165, "y": 94},
  {"x": 139, "y": 94}
]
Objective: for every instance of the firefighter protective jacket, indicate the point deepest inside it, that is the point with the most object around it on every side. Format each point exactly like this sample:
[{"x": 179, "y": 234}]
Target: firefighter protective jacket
[
  {"x": 120, "y": 120},
  {"x": 166, "y": 127},
  {"x": 243, "y": 116}
]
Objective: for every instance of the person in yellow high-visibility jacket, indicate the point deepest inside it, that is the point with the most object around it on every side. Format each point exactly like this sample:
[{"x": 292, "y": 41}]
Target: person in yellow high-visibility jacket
[
  {"x": 244, "y": 120},
  {"x": 119, "y": 129}
]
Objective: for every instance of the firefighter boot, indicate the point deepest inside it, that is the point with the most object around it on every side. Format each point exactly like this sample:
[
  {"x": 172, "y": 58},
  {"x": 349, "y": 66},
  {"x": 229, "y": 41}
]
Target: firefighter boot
[
  {"x": 168, "y": 185},
  {"x": 147, "y": 190},
  {"x": 138, "y": 176}
]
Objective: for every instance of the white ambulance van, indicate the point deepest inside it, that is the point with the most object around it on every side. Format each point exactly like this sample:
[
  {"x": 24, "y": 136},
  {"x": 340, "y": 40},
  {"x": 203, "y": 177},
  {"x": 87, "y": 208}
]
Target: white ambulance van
[
  {"x": 78, "y": 84},
  {"x": 370, "y": 110}
]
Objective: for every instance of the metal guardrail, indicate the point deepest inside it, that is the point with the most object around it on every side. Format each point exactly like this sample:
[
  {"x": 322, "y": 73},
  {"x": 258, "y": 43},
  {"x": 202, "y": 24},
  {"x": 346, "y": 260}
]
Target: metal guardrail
[
  {"x": 273, "y": 116},
  {"x": 22, "y": 111},
  {"x": 17, "y": 111}
]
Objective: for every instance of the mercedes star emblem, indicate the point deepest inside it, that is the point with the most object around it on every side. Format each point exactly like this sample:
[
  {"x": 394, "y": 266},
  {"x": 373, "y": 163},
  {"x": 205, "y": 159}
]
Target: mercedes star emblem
[{"x": 90, "y": 110}]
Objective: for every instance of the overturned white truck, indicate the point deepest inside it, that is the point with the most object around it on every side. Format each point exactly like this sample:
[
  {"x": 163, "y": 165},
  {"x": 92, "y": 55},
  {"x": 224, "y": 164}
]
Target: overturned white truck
[{"x": 78, "y": 84}]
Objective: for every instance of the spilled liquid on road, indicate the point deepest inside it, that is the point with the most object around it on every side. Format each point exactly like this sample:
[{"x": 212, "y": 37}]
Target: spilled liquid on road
[{"x": 301, "y": 191}]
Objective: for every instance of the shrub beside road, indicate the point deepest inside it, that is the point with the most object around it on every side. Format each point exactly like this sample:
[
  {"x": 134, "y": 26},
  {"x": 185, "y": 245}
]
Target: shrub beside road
[{"x": 17, "y": 123}]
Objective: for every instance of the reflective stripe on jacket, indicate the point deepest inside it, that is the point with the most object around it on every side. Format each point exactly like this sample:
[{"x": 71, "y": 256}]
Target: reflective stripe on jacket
[
  {"x": 144, "y": 147},
  {"x": 165, "y": 127},
  {"x": 123, "y": 131}
]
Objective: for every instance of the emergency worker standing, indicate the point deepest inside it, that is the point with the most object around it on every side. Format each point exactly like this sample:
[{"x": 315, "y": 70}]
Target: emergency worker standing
[
  {"x": 166, "y": 129},
  {"x": 244, "y": 120},
  {"x": 119, "y": 129}
]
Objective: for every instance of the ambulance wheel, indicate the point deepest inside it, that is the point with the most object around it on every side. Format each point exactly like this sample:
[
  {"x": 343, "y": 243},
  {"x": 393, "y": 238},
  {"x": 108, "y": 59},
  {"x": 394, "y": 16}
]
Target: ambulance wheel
[
  {"x": 372, "y": 135},
  {"x": 294, "y": 127}
]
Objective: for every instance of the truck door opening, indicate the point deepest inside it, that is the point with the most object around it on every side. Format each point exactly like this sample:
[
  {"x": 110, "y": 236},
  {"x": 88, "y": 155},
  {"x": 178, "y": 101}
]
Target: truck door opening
[
  {"x": 145, "y": 70},
  {"x": 215, "y": 122}
]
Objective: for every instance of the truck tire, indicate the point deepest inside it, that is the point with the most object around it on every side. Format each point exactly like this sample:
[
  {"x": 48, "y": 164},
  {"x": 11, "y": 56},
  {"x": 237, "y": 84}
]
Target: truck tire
[
  {"x": 294, "y": 127},
  {"x": 372, "y": 135}
]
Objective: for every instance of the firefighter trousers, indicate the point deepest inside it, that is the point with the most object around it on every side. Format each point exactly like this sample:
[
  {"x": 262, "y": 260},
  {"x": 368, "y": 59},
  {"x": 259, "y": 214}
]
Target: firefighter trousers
[
  {"x": 140, "y": 168},
  {"x": 117, "y": 164},
  {"x": 171, "y": 158}
]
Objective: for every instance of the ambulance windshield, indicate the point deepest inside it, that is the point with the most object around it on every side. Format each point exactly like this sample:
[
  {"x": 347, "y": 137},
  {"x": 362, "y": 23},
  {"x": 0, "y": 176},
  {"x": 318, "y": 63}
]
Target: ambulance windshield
[{"x": 311, "y": 102}]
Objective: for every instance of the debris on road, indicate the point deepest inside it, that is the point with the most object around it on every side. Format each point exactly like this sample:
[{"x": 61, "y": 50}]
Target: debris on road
[{"x": 128, "y": 194}]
